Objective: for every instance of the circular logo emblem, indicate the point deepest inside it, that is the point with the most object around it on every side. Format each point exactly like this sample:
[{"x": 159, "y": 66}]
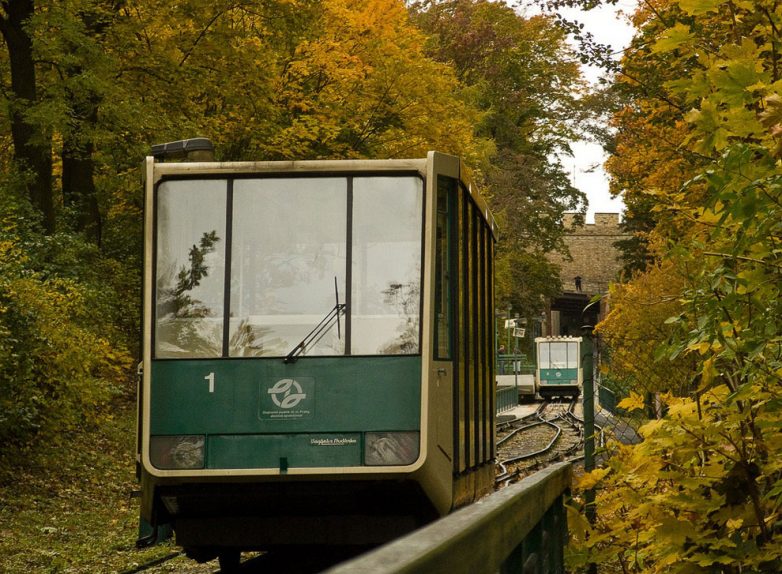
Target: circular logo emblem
[
  {"x": 558, "y": 375},
  {"x": 287, "y": 393}
]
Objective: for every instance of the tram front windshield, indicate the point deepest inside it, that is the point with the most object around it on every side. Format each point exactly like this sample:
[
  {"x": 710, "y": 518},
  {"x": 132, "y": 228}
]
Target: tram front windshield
[
  {"x": 558, "y": 355},
  {"x": 249, "y": 267}
]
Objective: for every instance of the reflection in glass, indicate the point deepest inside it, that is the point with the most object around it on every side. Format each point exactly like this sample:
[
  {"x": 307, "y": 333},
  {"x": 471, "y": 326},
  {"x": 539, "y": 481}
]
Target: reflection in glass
[
  {"x": 386, "y": 265},
  {"x": 190, "y": 269},
  {"x": 289, "y": 262},
  {"x": 543, "y": 358},
  {"x": 572, "y": 355},
  {"x": 288, "y": 245},
  {"x": 558, "y": 355}
]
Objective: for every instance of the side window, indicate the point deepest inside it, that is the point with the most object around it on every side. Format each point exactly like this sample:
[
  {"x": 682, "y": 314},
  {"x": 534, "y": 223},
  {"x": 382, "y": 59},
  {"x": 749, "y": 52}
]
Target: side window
[
  {"x": 446, "y": 188},
  {"x": 385, "y": 305},
  {"x": 190, "y": 268}
]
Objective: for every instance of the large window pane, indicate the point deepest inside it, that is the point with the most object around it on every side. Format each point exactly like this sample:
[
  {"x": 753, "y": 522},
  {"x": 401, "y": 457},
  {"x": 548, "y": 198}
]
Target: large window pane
[
  {"x": 190, "y": 268},
  {"x": 288, "y": 247},
  {"x": 386, "y": 267},
  {"x": 558, "y": 355},
  {"x": 544, "y": 355},
  {"x": 572, "y": 355}
]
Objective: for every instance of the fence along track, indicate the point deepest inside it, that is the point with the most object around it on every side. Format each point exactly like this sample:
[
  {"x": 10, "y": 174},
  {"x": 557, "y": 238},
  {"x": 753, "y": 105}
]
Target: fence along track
[{"x": 523, "y": 524}]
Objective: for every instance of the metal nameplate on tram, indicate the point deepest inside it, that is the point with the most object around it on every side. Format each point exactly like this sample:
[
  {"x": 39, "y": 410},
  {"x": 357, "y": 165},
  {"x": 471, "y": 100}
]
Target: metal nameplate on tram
[{"x": 287, "y": 399}]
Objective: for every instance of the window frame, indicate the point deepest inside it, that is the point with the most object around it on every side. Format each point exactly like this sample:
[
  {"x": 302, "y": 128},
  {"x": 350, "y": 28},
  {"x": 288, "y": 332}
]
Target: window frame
[{"x": 229, "y": 180}]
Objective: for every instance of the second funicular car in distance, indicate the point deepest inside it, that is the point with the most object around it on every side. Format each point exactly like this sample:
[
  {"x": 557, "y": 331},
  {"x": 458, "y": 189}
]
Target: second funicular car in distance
[{"x": 558, "y": 372}]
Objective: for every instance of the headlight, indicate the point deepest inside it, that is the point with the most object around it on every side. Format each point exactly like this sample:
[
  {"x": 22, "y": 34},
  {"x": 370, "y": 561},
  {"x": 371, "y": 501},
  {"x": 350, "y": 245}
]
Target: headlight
[
  {"x": 390, "y": 448},
  {"x": 177, "y": 452}
]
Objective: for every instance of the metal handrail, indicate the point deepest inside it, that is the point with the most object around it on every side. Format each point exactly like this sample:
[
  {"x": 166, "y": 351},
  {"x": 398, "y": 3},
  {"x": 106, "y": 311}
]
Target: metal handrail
[
  {"x": 514, "y": 363},
  {"x": 507, "y": 398},
  {"x": 483, "y": 536}
]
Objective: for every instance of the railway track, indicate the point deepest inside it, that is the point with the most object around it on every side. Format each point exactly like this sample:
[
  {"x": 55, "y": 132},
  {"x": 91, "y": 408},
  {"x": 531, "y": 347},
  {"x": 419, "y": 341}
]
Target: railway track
[{"x": 552, "y": 433}]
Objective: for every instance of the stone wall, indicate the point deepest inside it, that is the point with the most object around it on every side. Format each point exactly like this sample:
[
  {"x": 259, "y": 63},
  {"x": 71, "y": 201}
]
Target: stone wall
[{"x": 595, "y": 259}]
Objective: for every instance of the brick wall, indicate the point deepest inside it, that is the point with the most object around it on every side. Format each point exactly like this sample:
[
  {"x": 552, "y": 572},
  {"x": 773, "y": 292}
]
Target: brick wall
[{"x": 595, "y": 259}]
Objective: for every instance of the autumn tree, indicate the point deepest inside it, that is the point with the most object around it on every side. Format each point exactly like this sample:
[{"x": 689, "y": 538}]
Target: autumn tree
[
  {"x": 525, "y": 79},
  {"x": 636, "y": 327},
  {"x": 89, "y": 85},
  {"x": 31, "y": 139},
  {"x": 363, "y": 87},
  {"x": 300, "y": 79},
  {"x": 703, "y": 492}
]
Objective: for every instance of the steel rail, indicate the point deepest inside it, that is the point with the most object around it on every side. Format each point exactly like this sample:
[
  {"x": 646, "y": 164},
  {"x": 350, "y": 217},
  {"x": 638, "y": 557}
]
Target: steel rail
[
  {"x": 503, "y": 426},
  {"x": 509, "y": 436},
  {"x": 544, "y": 450}
]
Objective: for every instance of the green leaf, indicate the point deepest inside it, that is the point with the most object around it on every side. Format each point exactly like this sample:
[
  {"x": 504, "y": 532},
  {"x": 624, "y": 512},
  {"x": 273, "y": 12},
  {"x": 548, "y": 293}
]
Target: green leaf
[
  {"x": 710, "y": 126},
  {"x": 673, "y": 38},
  {"x": 699, "y": 7}
]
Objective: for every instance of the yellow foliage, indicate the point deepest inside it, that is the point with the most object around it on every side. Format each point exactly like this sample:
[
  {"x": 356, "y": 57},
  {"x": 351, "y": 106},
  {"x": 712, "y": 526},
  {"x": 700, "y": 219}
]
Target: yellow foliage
[
  {"x": 698, "y": 156},
  {"x": 57, "y": 371},
  {"x": 631, "y": 403},
  {"x": 363, "y": 87},
  {"x": 592, "y": 479},
  {"x": 636, "y": 326}
]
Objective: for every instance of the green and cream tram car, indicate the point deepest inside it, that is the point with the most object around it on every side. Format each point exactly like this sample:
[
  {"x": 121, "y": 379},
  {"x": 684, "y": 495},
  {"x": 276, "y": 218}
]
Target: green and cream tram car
[
  {"x": 558, "y": 372},
  {"x": 318, "y": 350}
]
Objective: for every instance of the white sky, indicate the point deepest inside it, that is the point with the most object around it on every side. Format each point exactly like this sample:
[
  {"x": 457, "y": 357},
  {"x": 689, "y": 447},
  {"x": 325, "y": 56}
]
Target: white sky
[{"x": 608, "y": 26}]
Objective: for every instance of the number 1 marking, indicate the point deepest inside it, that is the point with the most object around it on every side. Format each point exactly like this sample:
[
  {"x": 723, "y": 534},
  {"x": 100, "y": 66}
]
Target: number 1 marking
[{"x": 211, "y": 378}]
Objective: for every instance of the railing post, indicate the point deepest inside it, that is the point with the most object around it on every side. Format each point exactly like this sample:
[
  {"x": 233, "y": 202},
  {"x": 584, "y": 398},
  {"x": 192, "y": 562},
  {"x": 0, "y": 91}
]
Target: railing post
[
  {"x": 542, "y": 550},
  {"x": 589, "y": 424}
]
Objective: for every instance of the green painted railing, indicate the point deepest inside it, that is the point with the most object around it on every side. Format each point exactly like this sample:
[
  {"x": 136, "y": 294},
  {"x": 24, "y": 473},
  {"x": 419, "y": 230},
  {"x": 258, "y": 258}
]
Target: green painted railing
[
  {"x": 607, "y": 399},
  {"x": 507, "y": 398},
  {"x": 519, "y": 529},
  {"x": 508, "y": 364}
]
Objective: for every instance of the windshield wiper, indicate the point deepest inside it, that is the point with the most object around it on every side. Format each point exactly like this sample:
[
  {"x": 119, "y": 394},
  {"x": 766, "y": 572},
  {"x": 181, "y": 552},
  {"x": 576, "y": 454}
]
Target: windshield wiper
[{"x": 320, "y": 329}]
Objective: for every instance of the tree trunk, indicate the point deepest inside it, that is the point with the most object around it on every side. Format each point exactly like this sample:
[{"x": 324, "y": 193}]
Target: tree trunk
[
  {"x": 78, "y": 167},
  {"x": 78, "y": 164},
  {"x": 32, "y": 145}
]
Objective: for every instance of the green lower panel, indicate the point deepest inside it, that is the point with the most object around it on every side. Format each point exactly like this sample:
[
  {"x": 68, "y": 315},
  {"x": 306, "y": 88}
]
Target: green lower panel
[
  {"x": 264, "y": 397},
  {"x": 559, "y": 376},
  {"x": 284, "y": 451}
]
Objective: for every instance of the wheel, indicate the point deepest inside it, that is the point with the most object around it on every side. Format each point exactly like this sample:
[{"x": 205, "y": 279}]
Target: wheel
[{"x": 229, "y": 561}]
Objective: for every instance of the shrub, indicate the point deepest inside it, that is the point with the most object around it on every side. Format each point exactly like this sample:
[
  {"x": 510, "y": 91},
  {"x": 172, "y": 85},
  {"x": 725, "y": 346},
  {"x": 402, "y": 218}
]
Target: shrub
[{"x": 61, "y": 359}]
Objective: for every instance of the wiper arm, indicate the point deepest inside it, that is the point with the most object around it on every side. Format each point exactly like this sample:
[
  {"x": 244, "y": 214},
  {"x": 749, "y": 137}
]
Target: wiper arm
[
  {"x": 317, "y": 333},
  {"x": 320, "y": 329}
]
